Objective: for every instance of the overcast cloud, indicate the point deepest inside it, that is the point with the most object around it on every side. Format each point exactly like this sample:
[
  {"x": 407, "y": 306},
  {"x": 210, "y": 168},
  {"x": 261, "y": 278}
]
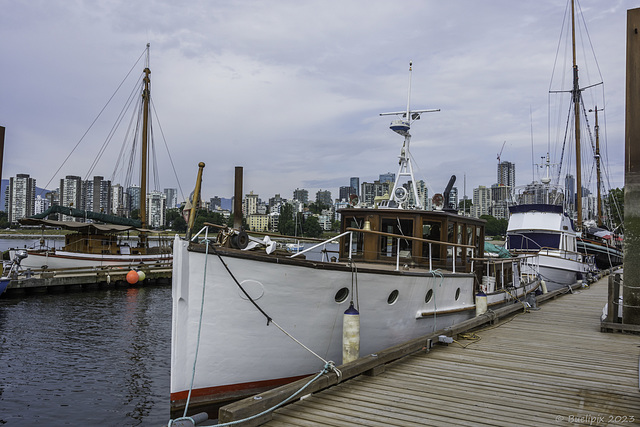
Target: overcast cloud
[{"x": 291, "y": 90}]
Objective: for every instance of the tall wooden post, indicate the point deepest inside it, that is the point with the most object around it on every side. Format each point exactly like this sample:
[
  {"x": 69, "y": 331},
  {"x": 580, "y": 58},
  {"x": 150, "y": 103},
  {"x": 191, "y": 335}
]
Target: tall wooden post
[{"x": 631, "y": 281}]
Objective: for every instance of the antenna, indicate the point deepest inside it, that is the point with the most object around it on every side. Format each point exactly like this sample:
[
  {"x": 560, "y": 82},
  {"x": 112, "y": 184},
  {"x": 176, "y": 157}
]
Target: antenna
[{"x": 402, "y": 126}]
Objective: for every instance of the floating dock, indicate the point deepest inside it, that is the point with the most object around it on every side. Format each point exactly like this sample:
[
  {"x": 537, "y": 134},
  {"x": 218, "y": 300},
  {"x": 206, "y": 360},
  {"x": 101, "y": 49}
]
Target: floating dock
[
  {"x": 69, "y": 279},
  {"x": 551, "y": 366}
]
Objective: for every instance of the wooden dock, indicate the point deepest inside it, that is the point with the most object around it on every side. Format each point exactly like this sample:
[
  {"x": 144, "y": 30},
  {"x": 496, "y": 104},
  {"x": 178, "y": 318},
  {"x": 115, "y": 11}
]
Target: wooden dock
[
  {"x": 552, "y": 366},
  {"x": 67, "y": 279}
]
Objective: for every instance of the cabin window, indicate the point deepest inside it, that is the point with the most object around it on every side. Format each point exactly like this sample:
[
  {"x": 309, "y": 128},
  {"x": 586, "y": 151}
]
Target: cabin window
[
  {"x": 533, "y": 241},
  {"x": 358, "y": 238},
  {"x": 431, "y": 231},
  {"x": 470, "y": 234},
  {"x": 389, "y": 245},
  {"x": 450, "y": 238}
]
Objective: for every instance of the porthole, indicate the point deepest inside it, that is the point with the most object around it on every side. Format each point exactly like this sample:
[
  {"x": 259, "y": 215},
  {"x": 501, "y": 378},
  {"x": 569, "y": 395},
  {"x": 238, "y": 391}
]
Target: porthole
[
  {"x": 393, "y": 297},
  {"x": 429, "y": 296},
  {"x": 341, "y": 295},
  {"x": 457, "y": 294}
]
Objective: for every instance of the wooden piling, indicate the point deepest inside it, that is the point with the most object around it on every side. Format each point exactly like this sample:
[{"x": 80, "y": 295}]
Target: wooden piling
[{"x": 631, "y": 283}]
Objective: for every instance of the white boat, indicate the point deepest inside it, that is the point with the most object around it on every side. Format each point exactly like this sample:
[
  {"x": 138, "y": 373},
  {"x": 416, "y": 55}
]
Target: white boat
[
  {"x": 295, "y": 247},
  {"x": 407, "y": 272},
  {"x": 102, "y": 239},
  {"x": 545, "y": 229}
]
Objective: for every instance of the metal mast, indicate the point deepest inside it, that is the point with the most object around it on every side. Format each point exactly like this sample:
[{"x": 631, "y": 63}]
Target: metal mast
[{"x": 402, "y": 127}]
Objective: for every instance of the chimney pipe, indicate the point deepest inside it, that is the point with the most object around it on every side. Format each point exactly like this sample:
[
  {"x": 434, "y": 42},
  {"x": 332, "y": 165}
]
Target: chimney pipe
[{"x": 237, "y": 199}]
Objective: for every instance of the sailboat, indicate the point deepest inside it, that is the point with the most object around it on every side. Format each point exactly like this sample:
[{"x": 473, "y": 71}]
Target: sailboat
[
  {"x": 541, "y": 222},
  {"x": 103, "y": 239},
  {"x": 246, "y": 318}
]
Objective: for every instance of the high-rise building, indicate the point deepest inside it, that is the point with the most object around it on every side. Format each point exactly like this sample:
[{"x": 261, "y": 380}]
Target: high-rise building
[
  {"x": 388, "y": 177},
  {"x": 354, "y": 183},
  {"x": 96, "y": 195},
  {"x": 345, "y": 192},
  {"x": 156, "y": 208},
  {"x": 134, "y": 197},
  {"x": 119, "y": 201},
  {"x": 71, "y": 194},
  {"x": 371, "y": 190},
  {"x": 301, "y": 195},
  {"x": 172, "y": 197},
  {"x": 323, "y": 197},
  {"x": 21, "y": 197},
  {"x": 481, "y": 201},
  {"x": 41, "y": 205},
  {"x": 250, "y": 204},
  {"x": 507, "y": 174}
]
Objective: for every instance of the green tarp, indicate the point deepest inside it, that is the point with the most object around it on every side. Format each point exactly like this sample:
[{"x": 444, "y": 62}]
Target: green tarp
[{"x": 498, "y": 250}]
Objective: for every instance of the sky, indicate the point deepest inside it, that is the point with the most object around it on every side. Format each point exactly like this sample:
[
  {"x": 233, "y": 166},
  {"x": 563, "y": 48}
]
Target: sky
[{"x": 292, "y": 90}]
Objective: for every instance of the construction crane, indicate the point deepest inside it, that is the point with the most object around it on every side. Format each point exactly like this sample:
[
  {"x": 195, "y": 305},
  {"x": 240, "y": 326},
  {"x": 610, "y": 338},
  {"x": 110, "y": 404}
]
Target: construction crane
[{"x": 500, "y": 153}]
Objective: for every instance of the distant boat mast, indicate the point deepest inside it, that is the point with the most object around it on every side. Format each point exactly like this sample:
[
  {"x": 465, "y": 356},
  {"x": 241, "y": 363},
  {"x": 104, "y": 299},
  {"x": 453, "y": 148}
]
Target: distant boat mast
[{"x": 402, "y": 126}]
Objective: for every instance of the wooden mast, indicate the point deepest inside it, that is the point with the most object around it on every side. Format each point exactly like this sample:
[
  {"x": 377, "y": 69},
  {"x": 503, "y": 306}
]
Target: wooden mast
[
  {"x": 146, "y": 95},
  {"x": 576, "y": 107},
  {"x": 597, "y": 129}
]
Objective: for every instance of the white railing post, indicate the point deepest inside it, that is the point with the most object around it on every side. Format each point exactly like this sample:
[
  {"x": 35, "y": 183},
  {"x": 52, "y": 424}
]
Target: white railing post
[
  {"x": 430, "y": 265},
  {"x": 398, "y": 255}
]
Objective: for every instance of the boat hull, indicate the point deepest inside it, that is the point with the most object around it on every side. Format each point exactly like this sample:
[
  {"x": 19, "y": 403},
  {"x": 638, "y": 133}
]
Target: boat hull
[
  {"x": 240, "y": 352},
  {"x": 64, "y": 259}
]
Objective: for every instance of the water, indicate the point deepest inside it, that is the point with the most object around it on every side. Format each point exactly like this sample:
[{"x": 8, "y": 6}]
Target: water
[
  {"x": 91, "y": 357},
  {"x": 94, "y": 357}
]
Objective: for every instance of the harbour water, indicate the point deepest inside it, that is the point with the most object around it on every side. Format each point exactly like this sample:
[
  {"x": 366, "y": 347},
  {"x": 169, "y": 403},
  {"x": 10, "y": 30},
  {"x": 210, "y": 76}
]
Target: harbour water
[
  {"x": 98, "y": 357},
  {"x": 93, "y": 357}
]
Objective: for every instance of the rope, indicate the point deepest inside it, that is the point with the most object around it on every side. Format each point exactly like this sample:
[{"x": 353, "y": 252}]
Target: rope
[
  {"x": 269, "y": 318},
  {"x": 195, "y": 358},
  {"x": 329, "y": 366}
]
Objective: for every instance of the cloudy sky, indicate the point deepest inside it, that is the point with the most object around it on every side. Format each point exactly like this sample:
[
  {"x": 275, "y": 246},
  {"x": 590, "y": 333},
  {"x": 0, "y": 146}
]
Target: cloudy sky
[{"x": 292, "y": 90}]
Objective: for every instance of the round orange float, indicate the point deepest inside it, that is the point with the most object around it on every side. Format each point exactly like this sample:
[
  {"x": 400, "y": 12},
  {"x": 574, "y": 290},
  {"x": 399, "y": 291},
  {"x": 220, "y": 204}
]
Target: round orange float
[{"x": 132, "y": 277}]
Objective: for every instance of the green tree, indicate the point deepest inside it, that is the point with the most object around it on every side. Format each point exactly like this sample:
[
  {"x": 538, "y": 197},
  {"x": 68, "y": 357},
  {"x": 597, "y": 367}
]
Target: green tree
[
  {"x": 4, "y": 223},
  {"x": 286, "y": 222},
  {"x": 494, "y": 226},
  {"x": 614, "y": 207},
  {"x": 311, "y": 227}
]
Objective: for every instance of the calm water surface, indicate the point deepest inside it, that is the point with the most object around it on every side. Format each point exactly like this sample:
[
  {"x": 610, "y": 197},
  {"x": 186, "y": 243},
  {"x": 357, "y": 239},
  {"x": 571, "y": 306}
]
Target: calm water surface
[{"x": 97, "y": 357}]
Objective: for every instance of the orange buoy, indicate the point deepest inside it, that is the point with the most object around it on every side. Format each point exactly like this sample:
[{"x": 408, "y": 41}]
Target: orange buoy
[{"x": 132, "y": 277}]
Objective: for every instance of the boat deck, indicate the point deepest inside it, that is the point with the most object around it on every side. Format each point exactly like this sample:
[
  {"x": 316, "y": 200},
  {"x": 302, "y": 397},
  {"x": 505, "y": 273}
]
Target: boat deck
[{"x": 553, "y": 366}]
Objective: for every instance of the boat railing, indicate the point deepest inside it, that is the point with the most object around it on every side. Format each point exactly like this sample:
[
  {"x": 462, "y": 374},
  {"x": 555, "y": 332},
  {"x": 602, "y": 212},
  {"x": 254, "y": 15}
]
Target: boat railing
[
  {"x": 498, "y": 272},
  {"x": 324, "y": 243},
  {"x": 430, "y": 242}
]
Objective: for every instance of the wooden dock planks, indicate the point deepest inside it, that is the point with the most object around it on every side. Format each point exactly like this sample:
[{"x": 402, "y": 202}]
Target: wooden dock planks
[{"x": 547, "y": 367}]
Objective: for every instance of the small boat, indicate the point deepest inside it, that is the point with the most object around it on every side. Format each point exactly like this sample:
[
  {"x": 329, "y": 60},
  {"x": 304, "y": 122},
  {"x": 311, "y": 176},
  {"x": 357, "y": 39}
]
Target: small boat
[
  {"x": 102, "y": 240},
  {"x": 11, "y": 269},
  {"x": 246, "y": 320},
  {"x": 294, "y": 247}
]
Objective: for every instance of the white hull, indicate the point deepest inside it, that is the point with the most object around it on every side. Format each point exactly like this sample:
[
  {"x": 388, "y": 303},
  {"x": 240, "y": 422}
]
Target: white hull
[
  {"x": 64, "y": 259},
  {"x": 558, "y": 272},
  {"x": 239, "y": 353}
]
